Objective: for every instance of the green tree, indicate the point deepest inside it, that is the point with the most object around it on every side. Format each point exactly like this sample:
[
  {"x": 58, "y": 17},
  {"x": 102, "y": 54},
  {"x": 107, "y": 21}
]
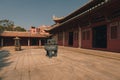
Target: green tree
[
  {"x": 7, "y": 25},
  {"x": 18, "y": 28},
  {"x": 1, "y": 29}
]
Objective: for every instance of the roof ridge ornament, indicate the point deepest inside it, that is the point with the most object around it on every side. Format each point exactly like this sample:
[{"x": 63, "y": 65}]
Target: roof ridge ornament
[{"x": 57, "y": 18}]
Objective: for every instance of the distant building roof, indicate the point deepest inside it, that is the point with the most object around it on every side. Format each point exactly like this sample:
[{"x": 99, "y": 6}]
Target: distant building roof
[{"x": 22, "y": 34}]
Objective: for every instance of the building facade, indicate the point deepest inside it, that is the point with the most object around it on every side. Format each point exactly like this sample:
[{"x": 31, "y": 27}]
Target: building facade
[
  {"x": 96, "y": 25},
  {"x": 33, "y": 37}
]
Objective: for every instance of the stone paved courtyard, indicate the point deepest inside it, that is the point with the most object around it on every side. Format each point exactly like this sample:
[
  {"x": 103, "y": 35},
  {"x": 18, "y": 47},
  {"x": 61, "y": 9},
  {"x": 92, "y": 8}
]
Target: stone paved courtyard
[{"x": 32, "y": 64}]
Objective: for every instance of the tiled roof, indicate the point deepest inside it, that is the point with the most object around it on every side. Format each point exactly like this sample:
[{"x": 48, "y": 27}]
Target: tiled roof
[
  {"x": 52, "y": 27},
  {"x": 21, "y": 34},
  {"x": 91, "y": 5}
]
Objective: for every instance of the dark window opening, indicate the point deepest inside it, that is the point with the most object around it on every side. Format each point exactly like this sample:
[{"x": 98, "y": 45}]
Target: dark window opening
[
  {"x": 70, "y": 38},
  {"x": 100, "y": 37}
]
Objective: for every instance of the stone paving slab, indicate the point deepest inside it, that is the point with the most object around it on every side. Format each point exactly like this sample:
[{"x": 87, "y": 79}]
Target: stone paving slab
[
  {"x": 32, "y": 64},
  {"x": 106, "y": 54}
]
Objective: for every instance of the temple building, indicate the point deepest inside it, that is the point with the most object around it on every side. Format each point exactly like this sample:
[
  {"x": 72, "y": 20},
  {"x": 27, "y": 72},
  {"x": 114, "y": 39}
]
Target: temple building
[
  {"x": 96, "y": 25},
  {"x": 33, "y": 37}
]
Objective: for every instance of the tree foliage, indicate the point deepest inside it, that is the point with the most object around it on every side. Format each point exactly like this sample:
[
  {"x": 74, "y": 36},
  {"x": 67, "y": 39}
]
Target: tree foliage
[
  {"x": 18, "y": 28},
  {"x": 7, "y": 25}
]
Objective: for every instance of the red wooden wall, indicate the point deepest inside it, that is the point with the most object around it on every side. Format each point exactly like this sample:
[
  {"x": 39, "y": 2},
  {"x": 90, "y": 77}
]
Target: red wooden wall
[{"x": 114, "y": 44}]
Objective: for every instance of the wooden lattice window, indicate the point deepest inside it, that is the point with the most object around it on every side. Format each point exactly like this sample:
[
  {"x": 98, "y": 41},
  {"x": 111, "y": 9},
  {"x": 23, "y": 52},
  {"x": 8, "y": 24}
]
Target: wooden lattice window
[
  {"x": 60, "y": 36},
  {"x": 114, "y": 32},
  {"x": 76, "y": 35},
  {"x": 66, "y": 36},
  {"x": 83, "y": 35},
  {"x": 88, "y": 35}
]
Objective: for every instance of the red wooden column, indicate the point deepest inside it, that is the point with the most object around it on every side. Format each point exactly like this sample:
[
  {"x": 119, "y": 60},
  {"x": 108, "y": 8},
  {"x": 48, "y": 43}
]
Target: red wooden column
[
  {"x": 80, "y": 36},
  {"x": 63, "y": 38},
  {"x": 28, "y": 42},
  {"x": 39, "y": 42}
]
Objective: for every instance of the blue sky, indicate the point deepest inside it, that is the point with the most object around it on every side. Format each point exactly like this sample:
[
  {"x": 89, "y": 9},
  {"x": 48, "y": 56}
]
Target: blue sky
[{"x": 26, "y": 13}]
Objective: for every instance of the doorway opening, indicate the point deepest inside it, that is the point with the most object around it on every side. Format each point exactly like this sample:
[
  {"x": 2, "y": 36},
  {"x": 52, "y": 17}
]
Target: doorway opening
[
  {"x": 34, "y": 42},
  {"x": 70, "y": 41},
  {"x": 43, "y": 41},
  {"x": 100, "y": 37}
]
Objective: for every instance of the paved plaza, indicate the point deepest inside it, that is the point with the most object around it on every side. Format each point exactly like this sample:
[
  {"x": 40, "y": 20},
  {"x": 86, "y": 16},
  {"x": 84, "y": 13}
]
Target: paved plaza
[{"x": 32, "y": 64}]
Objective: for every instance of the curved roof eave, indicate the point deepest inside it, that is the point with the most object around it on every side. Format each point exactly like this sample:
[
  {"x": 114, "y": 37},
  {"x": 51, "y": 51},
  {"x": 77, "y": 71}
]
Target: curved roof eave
[{"x": 55, "y": 26}]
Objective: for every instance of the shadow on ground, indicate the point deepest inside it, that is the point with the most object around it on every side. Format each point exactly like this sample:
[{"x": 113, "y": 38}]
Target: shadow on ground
[{"x": 4, "y": 60}]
